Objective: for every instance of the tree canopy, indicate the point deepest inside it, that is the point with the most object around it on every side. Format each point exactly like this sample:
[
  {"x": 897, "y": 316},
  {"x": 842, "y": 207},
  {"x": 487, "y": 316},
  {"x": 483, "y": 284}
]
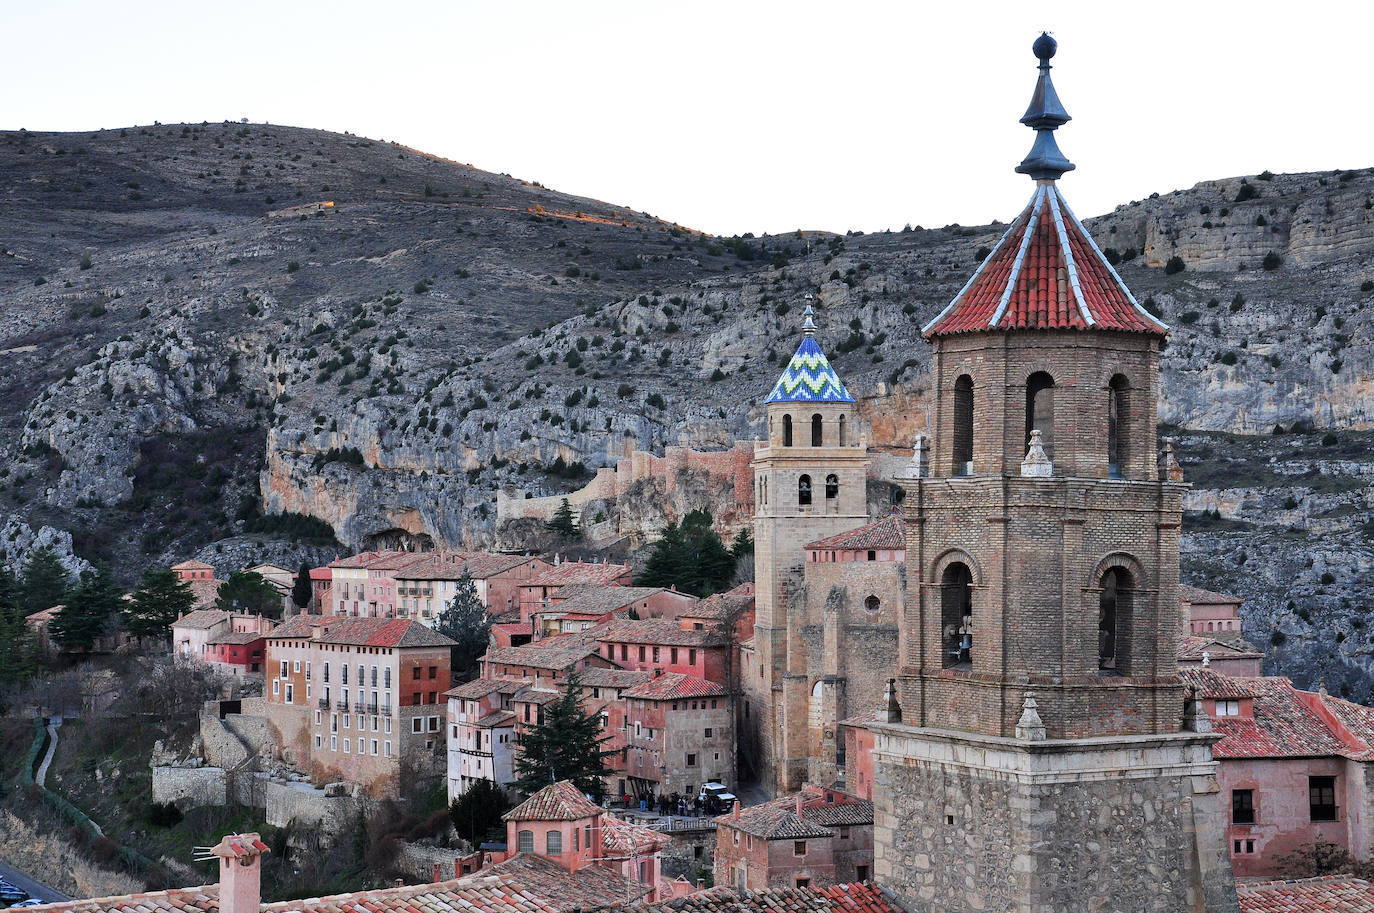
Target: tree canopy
[
  {"x": 301, "y": 591},
  {"x": 566, "y": 745},
  {"x": 691, "y": 557},
  {"x": 477, "y": 812},
  {"x": 465, "y": 620},
  {"x": 43, "y": 583},
  {"x": 563, "y": 522},
  {"x": 87, "y": 614},
  {"x": 161, "y": 598},
  {"x": 246, "y": 591},
  {"x": 19, "y": 658}
]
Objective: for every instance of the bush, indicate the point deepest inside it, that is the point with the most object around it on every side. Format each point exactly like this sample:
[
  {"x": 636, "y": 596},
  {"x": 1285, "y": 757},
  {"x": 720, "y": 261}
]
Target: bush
[
  {"x": 293, "y": 266},
  {"x": 1330, "y": 440},
  {"x": 1229, "y": 358},
  {"x": 656, "y": 401},
  {"x": 1189, "y": 317},
  {"x": 1367, "y": 285},
  {"x": 1272, "y": 261},
  {"x": 1247, "y": 191},
  {"x": 1174, "y": 265}
]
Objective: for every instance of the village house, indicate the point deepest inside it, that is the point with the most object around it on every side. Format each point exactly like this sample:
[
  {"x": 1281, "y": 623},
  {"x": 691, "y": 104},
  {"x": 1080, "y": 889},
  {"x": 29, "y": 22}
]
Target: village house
[
  {"x": 354, "y": 698},
  {"x": 232, "y": 641},
  {"x": 539, "y": 591},
  {"x": 1294, "y": 768},
  {"x": 679, "y": 732},
  {"x": 364, "y": 585},
  {"x": 813, "y": 838},
  {"x": 200, "y": 577},
  {"x": 1214, "y": 634},
  {"x": 578, "y": 607},
  {"x": 425, "y": 588},
  {"x": 321, "y": 590},
  {"x": 660, "y": 645},
  {"x": 481, "y": 736}
]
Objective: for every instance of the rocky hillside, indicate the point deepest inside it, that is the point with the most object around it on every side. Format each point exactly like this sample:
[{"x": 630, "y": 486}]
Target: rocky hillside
[{"x": 210, "y": 329}]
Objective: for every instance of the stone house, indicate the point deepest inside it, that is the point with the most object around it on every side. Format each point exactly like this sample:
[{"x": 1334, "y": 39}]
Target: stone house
[
  {"x": 364, "y": 585},
  {"x": 200, "y": 633},
  {"x": 425, "y": 588},
  {"x": 662, "y": 646},
  {"x": 239, "y": 653},
  {"x": 579, "y": 606},
  {"x": 481, "y": 734},
  {"x": 813, "y": 838},
  {"x": 200, "y": 577},
  {"x": 321, "y": 590},
  {"x": 355, "y": 698},
  {"x": 679, "y": 734},
  {"x": 539, "y": 592},
  {"x": 1295, "y": 767}
]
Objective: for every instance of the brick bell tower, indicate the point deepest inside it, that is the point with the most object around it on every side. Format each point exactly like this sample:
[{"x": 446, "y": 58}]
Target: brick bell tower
[
  {"x": 1037, "y": 757},
  {"x": 810, "y": 480}
]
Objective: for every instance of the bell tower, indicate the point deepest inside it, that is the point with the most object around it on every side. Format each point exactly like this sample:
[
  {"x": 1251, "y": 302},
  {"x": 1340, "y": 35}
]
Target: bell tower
[
  {"x": 810, "y": 479},
  {"x": 1041, "y": 760}
]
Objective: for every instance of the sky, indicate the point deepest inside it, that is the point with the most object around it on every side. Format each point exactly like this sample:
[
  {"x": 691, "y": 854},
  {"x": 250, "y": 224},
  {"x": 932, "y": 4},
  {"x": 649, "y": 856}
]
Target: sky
[{"x": 737, "y": 116}]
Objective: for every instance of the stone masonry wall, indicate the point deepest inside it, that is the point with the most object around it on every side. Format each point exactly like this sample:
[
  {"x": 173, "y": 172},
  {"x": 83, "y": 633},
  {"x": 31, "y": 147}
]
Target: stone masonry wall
[{"x": 190, "y": 786}]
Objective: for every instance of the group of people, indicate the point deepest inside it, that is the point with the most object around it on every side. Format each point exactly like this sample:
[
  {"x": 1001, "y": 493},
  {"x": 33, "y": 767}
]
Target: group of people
[{"x": 678, "y": 804}]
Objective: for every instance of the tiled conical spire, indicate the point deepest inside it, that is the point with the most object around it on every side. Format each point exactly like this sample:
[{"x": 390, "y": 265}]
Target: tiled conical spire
[
  {"x": 1046, "y": 272},
  {"x": 809, "y": 378}
]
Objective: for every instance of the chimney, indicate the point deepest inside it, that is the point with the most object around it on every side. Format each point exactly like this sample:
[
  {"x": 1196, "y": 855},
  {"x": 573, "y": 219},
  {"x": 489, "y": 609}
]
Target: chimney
[
  {"x": 438, "y": 873},
  {"x": 734, "y": 814},
  {"x": 240, "y": 872},
  {"x": 799, "y": 805}
]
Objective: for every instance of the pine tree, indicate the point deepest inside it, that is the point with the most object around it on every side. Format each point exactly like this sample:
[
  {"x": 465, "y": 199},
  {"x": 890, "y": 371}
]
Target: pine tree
[
  {"x": 478, "y": 811},
  {"x": 302, "y": 592},
  {"x": 19, "y": 658},
  {"x": 160, "y": 599},
  {"x": 563, "y": 521},
  {"x": 466, "y": 622},
  {"x": 43, "y": 582},
  {"x": 565, "y": 746},
  {"x": 743, "y": 544},
  {"x": 691, "y": 557},
  {"x": 246, "y": 591},
  {"x": 86, "y": 615}
]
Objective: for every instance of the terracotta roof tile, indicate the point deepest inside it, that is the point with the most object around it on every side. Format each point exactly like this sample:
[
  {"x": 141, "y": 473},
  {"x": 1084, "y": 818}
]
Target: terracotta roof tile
[
  {"x": 662, "y": 631},
  {"x": 201, "y": 619},
  {"x": 479, "y": 688},
  {"x": 1196, "y": 596},
  {"x": 452, "y": 565},
  {"x": 1045, "y": 273},
  {"x": 193, "y": 565},
  {"x": 612, "y": 678},
  {"x": 533, "y": 656},
  {"x": 674, "y": 686},
  {"x": 887, "y": 533},
  {"x": 600, "y": 600},
  {"x": 1210, "y": 684},
  {"x": 1191, "y": 647},
  {"x": 593, "y": 887},
  {"x": 579, "y": 572},
  {"x": 777, "y": 819},
  {"x": 1326, "y": 894},
  {"x": 840, "y": 898},
  {"x": 361, "y": 632},
  {"x": 1284, "y": 726},
  {"x": 561, "y": 801}
]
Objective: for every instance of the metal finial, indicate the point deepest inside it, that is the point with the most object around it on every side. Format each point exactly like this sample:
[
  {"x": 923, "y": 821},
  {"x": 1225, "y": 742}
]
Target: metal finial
[
  {"x": 809, "y": 321},
  {"x": 1045, "y": 114}
]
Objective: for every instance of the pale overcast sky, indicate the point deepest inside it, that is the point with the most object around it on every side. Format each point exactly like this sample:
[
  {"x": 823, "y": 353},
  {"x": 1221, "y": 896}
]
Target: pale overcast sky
[{"x": 735, "y": 116}]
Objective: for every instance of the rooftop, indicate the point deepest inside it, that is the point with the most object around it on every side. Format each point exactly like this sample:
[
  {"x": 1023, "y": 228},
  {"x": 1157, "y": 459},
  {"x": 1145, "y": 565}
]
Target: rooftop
[
  {"x": 600, "y": 600},
  {"x": 591, "y": 887},
  {"x": 887, "y": 533},
  {"x": 840, "y": 898},
  {"x": 477, "y": 565},
  {"x": 201, "y": 619},
  {"x": 1196, "y": 596},
  {"x": 808, "y": 377},
  {"x": 675, "y": 686},
  {"x": 1324, "y": 894},
  {"x": 662, "y": 631},
  {"x": 579, "y": 572},
  {"x": 821, "y": 809},
  {"x": 561, "y": 801},
  {"x": 555, "y": 657},
  {"x": 360, "y": 632},
  {"x": 193, "y": 565}
]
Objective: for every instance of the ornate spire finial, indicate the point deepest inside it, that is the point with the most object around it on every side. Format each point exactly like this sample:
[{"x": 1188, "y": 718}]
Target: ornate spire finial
[
  {"x": 1045, "y": 115},
  {"x": 809, "y": 319}
]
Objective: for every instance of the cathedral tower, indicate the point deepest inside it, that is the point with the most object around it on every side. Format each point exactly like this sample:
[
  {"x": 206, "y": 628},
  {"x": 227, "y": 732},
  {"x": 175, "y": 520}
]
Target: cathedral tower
[
  {"x": 1037, "y": 759},
  {"x": 809, "y": 483}
]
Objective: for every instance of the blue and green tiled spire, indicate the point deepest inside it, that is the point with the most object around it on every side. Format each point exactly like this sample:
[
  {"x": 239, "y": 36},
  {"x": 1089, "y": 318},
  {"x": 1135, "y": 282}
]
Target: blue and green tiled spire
[{"x": 809, "y": 378}]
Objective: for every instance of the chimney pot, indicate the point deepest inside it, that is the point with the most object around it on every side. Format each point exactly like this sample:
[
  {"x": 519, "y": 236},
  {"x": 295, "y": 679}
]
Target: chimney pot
[{"x": 240, "y": 873}]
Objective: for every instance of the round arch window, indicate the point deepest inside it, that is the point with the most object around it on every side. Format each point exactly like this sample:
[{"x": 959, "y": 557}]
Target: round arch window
[{"x": 873, "y": 603}]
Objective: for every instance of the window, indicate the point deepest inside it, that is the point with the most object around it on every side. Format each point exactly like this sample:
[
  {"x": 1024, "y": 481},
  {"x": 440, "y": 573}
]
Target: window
[
  {"x": 415, "y": 674},
  {"x": 1040, "y": 410},
  {"x": 276, "y": 687},
  {"x": 433, "y": 672},
  {"x": 386, "y": 678},
  {"x": 1228, "y": 708},
  {"x": 803, "y": 882},
  {"x": 832, "y": 487},
  {"x": 691, "y": 760},
  {"x": 319, "y": 741},
  {"x": 553, "y": 843},
  {"x": 284, "y": 673},
  {"x": 326, "y": 671},
  {"x": 817, "y": 432},
  {"x": 374, "y": 746},
  {"x": 872, "y": 603},
  {"x": 708, "y": 732},
  {"x": 956, "y": 614},
  {"x": 861, "y": 873},
  {"x": 434, "y": 724},
  {"x": 962, "y": 437},
  {"x": 1321, "y": 793},
  {"x": 297, "y": 666},
  {"x": 333, "y": 743},
  {"x": 872, "y": 555},
  {"x": 525, "y": 841},
  {"x": 417, "y": 724},
  {"x": 1117, "y": 424},
  {"x": 386, "y": 749},
  {"x": 347, "y": 744},
  {"x": 1243, "y": 847},
  {"x": 1114, "y": 622},
  {"x": 787, "y": 431},
  {"x": 577, "y": 840},
  {"x": 799, "y": 848},
  {"x": 1242, "y": 806},
  {"x": 804, "y": 489},
  {"x": 841, "y": 424},
  {"x": 290, "y": 693}
]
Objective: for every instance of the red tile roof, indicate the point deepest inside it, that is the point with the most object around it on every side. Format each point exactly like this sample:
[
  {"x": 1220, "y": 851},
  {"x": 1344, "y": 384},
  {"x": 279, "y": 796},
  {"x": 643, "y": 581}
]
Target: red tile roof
[
  {"x": 561, "y": 801},
  {"x": 592, "y": 887},
  {"x": 1045, "y": 273},
  {"x": 1196, "y": 596},
  {"x": 1191, "y": 647},
  {"x": 1325, "y": 894},
  {"x": 840, "y": 898},
  {"x": 674, "y": 686},
  {"x": 579, "y": 572},
  {"x": 821, "y": 810},
  {"x": 360, "y": 632},
  {"x": 193, "y": 565},
  {"x": 887, "y": 533},
  {"x": 1209, "y": 684},
  {"x": 555, "y": 657},
  {"x": 451, "y": 566},
  {"x": 1284, "y": 726},
  {"x": 201, "y": 619},
  {"x": 662, "y": 631}
]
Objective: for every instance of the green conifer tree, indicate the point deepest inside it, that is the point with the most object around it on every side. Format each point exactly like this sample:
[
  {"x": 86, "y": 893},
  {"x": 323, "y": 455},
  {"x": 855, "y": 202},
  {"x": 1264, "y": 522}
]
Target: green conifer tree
[
  {"x": 246, "y": 591},
  {"x": 43, "y": 583},
  {"x": 161, "y": 598},
  {"x": 465, "y": 621},
  {"x": 563, "y": 521},
  {"x": 19, "y": 658},
  {"x": 87, "y": 614},
  {"x": 565, "y": 746},
  {"x": 302, "y": 592},
  {"x": 689, "y": 556},
  {"x": 477, "y": 812}
]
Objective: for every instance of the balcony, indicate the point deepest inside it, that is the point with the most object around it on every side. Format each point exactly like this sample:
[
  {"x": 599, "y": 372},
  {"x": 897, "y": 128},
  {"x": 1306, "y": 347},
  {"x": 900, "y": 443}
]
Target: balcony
[
  {"x": 341, "y": 706},
  {"x": 324, "y": 703},
  {"x": 372, "y": 709},
  {"x": 358, "y": 706}
]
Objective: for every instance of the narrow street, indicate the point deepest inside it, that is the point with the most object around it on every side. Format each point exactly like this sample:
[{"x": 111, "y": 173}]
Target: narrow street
[{"x": 34, "y": 888}]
